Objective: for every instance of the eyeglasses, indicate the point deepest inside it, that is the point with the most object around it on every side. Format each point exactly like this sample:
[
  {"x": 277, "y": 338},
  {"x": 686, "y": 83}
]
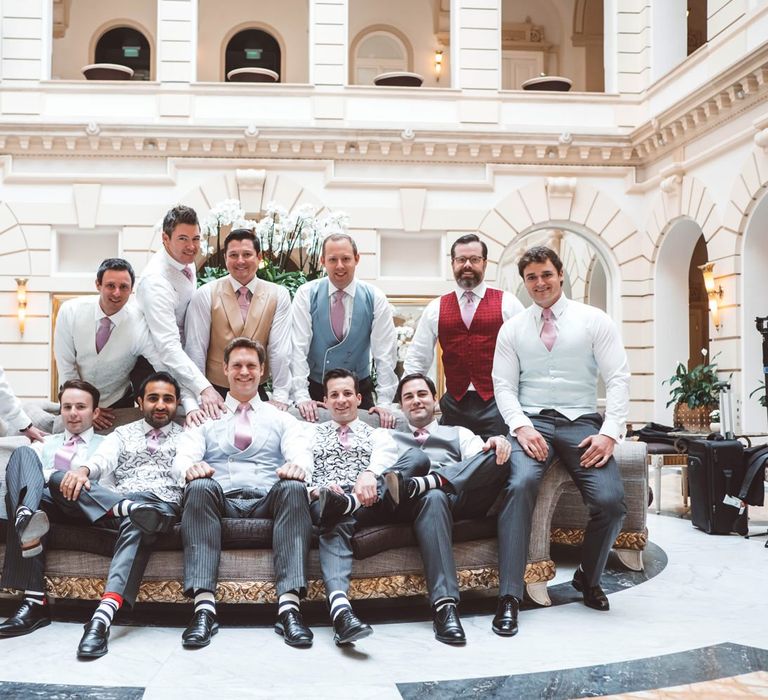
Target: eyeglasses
[{"x": 474, "y": 260}]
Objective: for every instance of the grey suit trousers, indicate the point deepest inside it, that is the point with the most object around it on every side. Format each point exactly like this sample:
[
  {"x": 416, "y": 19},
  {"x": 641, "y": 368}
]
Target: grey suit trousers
[
  {"x": 336, "y": 541},
  {"x": 26, "y": 486},
  {"x": 205, "y": 504},
  {"x": 133, "y": 547},
  {"x": 601, "y": 488},
  {"x": 474, "y": 413}
]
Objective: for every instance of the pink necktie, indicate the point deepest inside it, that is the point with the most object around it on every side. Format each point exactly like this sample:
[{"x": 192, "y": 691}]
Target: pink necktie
[
  {"x": 548, "y": 330},
  {"x": 102, "y": 333},
  {"x": 468, "y": 308},
  {"x": 337, "y": 314},
  {"x": 242, "y": 427},
  {"x": 187, "y": 273},
  {"x": 421, "y": 435},
  {"x": 62, "y": 460},
  {"x": 344, "y": 436},
  {"x": 153, "y": 440},
  {"x": 244, "y": 301}
]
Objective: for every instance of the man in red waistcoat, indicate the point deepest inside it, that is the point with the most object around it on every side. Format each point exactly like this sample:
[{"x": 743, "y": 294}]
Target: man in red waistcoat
[{"x": 465, "y": 322}]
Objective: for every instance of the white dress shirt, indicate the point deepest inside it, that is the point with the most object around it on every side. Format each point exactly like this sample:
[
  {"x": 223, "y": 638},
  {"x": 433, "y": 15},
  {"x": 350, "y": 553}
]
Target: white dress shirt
[
  {"x": 198, "y": 334},
  {"x": 383, "y": 339},
  {"x": 383, "y": 448},
  {"x": 78, "y": 459},
  {"x": 571, "y": 318},
  {"x": 109, "y": 371},
  {"x": 421, "y": 349},
  {"x": 163, "y": 293},
  {"x": 469, "y": 443},
  {"x": 264, "y": 419},
  {"x": 10, "y": 407}
]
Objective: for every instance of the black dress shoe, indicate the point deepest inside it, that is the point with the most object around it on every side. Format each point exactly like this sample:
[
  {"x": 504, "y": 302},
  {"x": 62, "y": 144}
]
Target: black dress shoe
[
  {"x": 28, "y": 618},
  {"x": 295, "y": 633},
  {"x": 200, "y": 630},
  {"x": 94, "y": 640},
  {"x": 594, "y": 597},
  {"x": 150, "y": 519},
  {"x": 30, "y": 529},
  {"x": 349, "y": 628},
  {"x": 447, "y": 625},
  {"x": 395, "y": 488},
  {"x": 505, "y": 620},
  {"x": 332, "y": 506}
]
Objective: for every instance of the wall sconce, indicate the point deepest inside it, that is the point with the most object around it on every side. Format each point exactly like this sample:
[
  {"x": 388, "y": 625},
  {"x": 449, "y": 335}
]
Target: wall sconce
[
  {"x": 21, "y": 301},
  {"x": 714, "y": 293},
  {"x": 438, "y": 64}
]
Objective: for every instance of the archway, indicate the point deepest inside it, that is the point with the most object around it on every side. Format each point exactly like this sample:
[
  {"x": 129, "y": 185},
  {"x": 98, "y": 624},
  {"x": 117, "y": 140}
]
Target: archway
[
  {"x": 125, "y": 46},
  {"x": 253, "y": 48}
]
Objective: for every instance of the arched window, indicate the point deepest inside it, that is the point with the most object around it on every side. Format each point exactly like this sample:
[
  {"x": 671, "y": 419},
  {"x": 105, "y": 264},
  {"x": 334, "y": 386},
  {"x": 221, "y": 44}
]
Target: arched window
[
  {"x": 379, "y": 52},
  {"x": 125, "y": 46},
  {"x": 252, "y": 48}
]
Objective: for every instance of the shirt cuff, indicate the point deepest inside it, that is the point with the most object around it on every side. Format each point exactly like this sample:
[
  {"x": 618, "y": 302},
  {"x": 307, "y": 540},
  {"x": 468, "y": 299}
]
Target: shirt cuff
[
  {"x": 189, "y": 404},
  {"x": 612, "y": 430},
  {"x": 21, "y": 422},
  {"x": 522, "y": 422}
]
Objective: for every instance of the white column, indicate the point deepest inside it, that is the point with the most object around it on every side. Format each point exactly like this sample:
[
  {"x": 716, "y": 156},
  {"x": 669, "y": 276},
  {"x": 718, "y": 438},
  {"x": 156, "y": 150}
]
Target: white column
[
  {"x": 476, "y": 44},
  {"x": 721, "y": 14},
  {"x": 177, "y": 41},
  {"x": 669, "y": 36},
  {"x": 328, "y": 42},
  {"x": 26, "y": 38},
  {"x": 627, "y": 51}
]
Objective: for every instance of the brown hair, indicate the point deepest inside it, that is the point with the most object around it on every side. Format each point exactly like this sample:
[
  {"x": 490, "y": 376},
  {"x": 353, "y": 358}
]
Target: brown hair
[
  {"x": 539, "y": 254},
  {"x": 245, "y": 343},
  {"x": 83, "y": 386}
]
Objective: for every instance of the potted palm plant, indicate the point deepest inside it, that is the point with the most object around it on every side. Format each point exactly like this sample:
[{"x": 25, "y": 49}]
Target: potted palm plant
[{"x": 695, "y": 394}]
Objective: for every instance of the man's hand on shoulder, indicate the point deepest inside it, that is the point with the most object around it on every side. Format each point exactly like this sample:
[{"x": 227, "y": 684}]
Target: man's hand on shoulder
[
  {"x": 386, "y": 417},
  {"x": 199, "y": 470},
  {"x": 73, "y": 481},
  {"x": 212, "y": 403},
  {"x": 34, "y": 434},
  {"x": 365, "y": 488},
  {"x": 308, "y": 410},
  {"x": 502, "y": 447},
  {"x": 103, "y": 418},
  {"x": 291, "y": 472},
  {"x": 599, "y": 450},
  {"x": 195, "y": 418},
  {"x": 532, "y": 442}
]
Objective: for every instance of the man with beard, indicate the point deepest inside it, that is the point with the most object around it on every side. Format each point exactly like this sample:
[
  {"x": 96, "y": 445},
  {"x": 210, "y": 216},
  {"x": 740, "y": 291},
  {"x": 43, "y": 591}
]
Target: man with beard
[
  {"x": 465, "y": 322},
  {"x": 146, "y": 498}
]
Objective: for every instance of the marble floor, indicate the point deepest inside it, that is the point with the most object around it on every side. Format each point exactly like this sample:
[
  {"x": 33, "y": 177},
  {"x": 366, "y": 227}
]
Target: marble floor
[{"x": 695, "y": 625}]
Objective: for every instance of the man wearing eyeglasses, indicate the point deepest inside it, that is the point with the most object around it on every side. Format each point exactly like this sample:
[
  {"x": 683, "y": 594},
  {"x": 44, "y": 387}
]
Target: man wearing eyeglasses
[{"x": 465, "y": 322}]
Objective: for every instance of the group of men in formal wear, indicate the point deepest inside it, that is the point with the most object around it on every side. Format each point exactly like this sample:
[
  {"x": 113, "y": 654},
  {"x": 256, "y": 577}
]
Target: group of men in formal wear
[{"x": 521, "y": 390}]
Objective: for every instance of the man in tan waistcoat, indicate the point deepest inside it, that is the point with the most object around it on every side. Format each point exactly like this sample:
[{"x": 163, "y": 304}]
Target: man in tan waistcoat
[{"x": 241, "y": 305}]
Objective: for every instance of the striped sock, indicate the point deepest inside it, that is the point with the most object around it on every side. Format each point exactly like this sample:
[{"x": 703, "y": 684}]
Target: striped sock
[
  {"x": 21, "y": 511},
  {"x": 353, "y": 504},
  {"x": 36, "y": 597},
  {"x": 288, "y": 601},
  {"x": 338, "y": 601},
  {"x": 205, "y": 600},
  {"x": 440, "y": 603},
  {"x": 122, "y": 509},
  {"x": 109, "y": 605},
  {"x": 421, "y": 484}
]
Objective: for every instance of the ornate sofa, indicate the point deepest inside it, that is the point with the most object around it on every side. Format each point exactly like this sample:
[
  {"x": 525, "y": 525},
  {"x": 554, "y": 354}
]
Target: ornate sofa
[{"x": 387, "y": 562}]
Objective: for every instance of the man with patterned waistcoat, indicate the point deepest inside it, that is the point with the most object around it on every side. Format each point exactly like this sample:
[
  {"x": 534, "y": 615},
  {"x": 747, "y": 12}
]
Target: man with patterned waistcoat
[
  {"x": 340, "y": 321},
  {"x": 465, "y": 322},
  {"x": 241, "y": 305}
]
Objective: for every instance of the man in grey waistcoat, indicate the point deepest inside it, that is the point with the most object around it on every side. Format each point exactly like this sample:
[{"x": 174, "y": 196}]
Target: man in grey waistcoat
[{"x": 465, "y": 478}]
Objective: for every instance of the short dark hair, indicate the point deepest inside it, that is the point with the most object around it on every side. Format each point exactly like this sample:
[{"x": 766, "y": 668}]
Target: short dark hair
[
  {"x": 83, "y": 386},
  {"x": 469, "y": 238},
  {"x": 340, "y": 237},
  {"x": 539, "y": 254},
  {"x": 409, "y": 378},
  {"x": 243, "y": 234},
  {"x": 245, "y": 343},
  {"x": 340, "y": 373},
  {"x": 180, "y": 214},
  {"x": 159, "y": 377},
  {"x": 115, "y": 264}
]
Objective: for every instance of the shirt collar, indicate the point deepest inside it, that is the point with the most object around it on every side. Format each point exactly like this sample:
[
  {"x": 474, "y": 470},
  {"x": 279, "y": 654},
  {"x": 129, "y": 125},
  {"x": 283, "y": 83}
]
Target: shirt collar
[
  {"x": 146, "y": 427},
  {"x": 85, "y": 436},
  {"x": 115, "y": 318},
  {"x": 478, "y": 291},
  {"x": 251, "y": 286},
  {"x": 349, "y": 289},
  {"x": 171, "y": 261},
  {"x": 354, "y": 426},
  {"x": 557, "y": 308},
  {"x": 232, "y": 403},
  {"x": 429, "y": 428}
]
